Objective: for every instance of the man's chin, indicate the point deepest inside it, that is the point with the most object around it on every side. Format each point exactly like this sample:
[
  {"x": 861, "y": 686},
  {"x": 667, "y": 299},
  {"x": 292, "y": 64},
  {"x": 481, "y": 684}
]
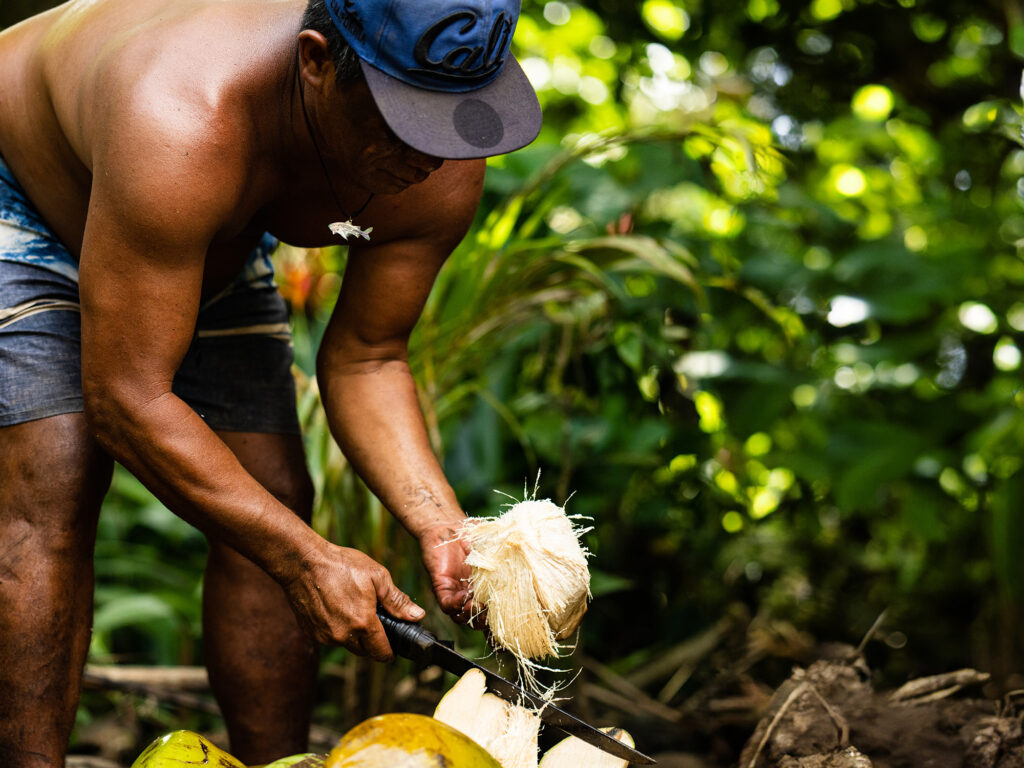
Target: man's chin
[{"x": 390, "y": 184}]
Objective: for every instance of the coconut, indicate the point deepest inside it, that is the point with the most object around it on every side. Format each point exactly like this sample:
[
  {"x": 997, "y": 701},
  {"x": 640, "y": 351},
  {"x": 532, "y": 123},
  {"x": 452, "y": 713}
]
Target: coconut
[
  {"x": 469, "y": 708},
  {"x": 184, "y": 748},
  {"x": 507, "y": 731},
  {"x": 573, "y": 753},
  {"x": 401, "y": 740},
  {"x": 529, "y": 572}
]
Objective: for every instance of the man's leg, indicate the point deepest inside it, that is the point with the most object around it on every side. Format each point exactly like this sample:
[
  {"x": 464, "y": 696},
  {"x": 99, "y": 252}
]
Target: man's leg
[
  {"x": 52, "y": 480},
  {"x": 262, "y": 667}
]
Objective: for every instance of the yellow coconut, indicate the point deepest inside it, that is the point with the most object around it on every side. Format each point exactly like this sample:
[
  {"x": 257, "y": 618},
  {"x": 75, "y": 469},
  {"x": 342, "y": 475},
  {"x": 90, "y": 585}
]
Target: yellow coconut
[
  {"x": 185, "y": 748},
  {"x": 530, "y": 572},
  {"x": 407, "y": 741},
  {"x": 306, "y": 760}
]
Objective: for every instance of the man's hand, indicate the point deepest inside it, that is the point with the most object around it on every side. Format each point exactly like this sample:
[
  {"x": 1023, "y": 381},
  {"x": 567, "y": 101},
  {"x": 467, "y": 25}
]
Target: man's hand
[
  {"x": 335, "y": 599},
  {"x": 444, "y": 556}
]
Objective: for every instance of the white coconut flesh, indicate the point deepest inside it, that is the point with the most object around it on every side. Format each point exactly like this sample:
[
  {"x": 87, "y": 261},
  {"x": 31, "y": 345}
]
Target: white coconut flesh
[
  {"x": 465, "y": 708},
  {"x": 507, "y": 731},
  {"x": 575, "y": 753},
  {"x": 530, "y": 572},
  {"x": 510, "y": 732}
]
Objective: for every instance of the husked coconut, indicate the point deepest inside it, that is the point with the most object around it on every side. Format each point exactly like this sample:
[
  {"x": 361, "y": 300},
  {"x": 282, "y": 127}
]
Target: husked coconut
[{"x": 530, "y": 572}]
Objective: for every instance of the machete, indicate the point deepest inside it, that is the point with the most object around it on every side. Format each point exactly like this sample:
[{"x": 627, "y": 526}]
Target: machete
[{"x": 419, "y": 645}]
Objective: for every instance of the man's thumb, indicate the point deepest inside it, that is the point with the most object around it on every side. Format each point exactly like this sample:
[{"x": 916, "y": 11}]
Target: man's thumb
[{"x": 397, "y": 603}]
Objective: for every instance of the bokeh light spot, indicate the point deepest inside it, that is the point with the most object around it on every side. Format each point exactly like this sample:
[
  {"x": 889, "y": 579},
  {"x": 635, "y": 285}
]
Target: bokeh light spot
[
  {"x": 915, "y": 239},
  {"x": 1006, "y": 356},
  {"x": 557, "y": 13},
  {"x": 732, "y": 522},
  {"x": 847, "y": 310},
  {"x": 823, "y": 10},
  {"x": 758, "y": 444},
  {"x": 873, "y": 103},
  {"x": 850, "y": 181},
  {"x": 665, "y": 18},
  {"x": 805, "y": 395},
  {"x": 977, "y": 317}
]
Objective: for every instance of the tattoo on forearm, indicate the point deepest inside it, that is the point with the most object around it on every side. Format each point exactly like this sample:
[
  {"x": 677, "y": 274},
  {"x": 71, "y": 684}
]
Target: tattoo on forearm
[{"x": 422, "y": 497}]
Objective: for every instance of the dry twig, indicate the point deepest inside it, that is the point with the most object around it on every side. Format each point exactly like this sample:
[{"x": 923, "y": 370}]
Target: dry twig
[
  {"x": 938, "y": 686},
  {"x": 837, "y": 719},
  {"x": 793, "y": 696},
  {"x": 627, "y": 705},
  {"x": 623, "y": 686}
]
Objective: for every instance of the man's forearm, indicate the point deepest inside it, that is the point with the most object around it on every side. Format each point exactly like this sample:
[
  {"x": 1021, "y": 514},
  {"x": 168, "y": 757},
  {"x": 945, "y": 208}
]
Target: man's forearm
[
  {"x": 375, "y": 416},
  {"x": 182, "y": 461}
]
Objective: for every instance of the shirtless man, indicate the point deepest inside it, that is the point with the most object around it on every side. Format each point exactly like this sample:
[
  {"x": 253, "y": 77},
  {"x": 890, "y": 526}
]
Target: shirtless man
[{"x": 147, "y": 147}]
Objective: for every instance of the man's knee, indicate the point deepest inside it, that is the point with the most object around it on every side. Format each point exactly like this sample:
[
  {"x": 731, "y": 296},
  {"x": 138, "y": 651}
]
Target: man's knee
[
  {"x": 54, "y": 477},
  {"x": 278, "y": 463},
  {"x": 296, "y": 492},
  {"x": 290, "y": 484}
]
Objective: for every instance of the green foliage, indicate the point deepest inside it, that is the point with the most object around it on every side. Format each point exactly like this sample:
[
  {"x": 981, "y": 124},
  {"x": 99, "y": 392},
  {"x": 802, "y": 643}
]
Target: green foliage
[{"x": 148, "y": 570}]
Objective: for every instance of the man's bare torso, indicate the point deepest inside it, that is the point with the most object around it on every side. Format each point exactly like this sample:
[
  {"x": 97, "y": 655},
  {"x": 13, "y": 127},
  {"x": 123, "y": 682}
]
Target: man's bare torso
[{"x": 178, "y": 63}]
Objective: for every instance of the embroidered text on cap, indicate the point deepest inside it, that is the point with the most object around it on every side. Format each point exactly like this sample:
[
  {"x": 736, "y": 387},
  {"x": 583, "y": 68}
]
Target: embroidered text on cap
[{"x": 464, "y": 62}]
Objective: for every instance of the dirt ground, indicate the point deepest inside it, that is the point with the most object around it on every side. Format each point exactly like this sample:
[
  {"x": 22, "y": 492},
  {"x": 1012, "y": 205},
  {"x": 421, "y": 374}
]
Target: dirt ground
[{"x": 827, "y": 714}]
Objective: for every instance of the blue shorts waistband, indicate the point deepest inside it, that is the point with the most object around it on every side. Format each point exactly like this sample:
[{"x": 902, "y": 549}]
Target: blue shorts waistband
[{"x": 24, "y": 236}]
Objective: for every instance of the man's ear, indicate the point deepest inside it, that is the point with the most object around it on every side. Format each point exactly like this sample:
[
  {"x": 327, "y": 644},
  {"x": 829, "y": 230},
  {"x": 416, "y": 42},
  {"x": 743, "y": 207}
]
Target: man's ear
[{"x": 315, "y": 64}]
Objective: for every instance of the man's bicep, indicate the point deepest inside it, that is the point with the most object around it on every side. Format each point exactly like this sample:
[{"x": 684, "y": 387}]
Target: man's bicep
[
  {"x": 382, "y": 296},
  {"x": 140, "y": 278},
  {"x": 386, "y": 284}
]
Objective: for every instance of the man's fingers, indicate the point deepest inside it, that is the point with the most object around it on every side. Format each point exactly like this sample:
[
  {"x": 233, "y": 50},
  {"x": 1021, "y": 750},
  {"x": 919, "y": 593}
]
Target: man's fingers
[
  {"x": 460, "y": 610},
  {"x": 452, "y": 599},
  {"x": 395, "y": 601},
  {"x": 374, "y": 643},
  {"x": 365, "y": 636}
]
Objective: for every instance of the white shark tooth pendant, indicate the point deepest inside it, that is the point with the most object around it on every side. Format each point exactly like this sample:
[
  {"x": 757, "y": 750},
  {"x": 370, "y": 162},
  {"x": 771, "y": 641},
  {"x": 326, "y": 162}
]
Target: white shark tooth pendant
[{"x": 346, "y": 228}]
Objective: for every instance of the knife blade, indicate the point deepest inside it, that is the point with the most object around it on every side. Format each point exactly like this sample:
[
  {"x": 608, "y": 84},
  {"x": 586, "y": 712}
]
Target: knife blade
[{"x": 413, "y": 642}]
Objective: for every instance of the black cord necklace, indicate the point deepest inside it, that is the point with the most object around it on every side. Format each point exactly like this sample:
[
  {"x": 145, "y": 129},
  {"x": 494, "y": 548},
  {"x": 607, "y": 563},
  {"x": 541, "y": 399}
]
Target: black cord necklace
[{"x": 343, "y": 228}]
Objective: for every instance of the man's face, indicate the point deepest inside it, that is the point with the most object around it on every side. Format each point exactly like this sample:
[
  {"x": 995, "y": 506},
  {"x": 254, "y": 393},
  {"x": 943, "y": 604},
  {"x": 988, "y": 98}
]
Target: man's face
[{"x": 368, "y": 151}]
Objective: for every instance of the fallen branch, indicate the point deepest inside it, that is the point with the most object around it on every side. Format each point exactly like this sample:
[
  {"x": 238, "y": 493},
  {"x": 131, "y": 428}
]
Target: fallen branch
[
  {"x": 629, "y": 706},
  {"x": 171, "y": 678},
  {"x": 623, "y": 686},
  {"x": 88, "y": 761},
  {"x": 687, "y": 654},
  {"x": 945, "y": 684},
  {"x": 177, "y": 686},
  {"x": 181, "y": 698}
]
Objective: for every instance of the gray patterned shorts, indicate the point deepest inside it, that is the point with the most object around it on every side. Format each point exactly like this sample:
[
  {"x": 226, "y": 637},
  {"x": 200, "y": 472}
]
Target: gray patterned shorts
[{"x": 236, "y": 374}]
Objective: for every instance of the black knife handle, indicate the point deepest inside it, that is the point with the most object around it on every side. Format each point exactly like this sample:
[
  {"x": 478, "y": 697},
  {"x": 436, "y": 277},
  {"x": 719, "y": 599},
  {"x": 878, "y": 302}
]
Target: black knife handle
[{"x": 408, "y": 640}]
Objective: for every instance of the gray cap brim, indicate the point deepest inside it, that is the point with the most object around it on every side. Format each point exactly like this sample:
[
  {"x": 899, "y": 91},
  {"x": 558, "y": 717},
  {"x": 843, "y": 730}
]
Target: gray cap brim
[{"x": 501, "y": 117}]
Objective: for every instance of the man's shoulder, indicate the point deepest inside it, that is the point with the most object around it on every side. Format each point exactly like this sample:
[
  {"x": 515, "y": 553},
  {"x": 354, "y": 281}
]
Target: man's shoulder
[
  {"x": 177, "y": 75},
  {"x": 169, "y": 129}
]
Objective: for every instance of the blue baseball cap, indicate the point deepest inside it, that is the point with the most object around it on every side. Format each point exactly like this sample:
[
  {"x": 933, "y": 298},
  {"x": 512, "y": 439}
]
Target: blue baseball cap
[{"x": 441, "y": 72}]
